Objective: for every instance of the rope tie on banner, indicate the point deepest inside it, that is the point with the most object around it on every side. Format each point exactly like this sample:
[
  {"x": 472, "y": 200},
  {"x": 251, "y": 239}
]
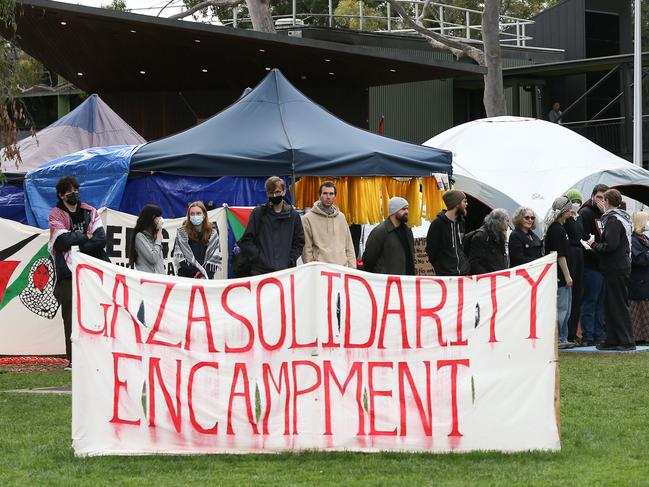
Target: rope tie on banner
[{"x": 32, "y": 360}]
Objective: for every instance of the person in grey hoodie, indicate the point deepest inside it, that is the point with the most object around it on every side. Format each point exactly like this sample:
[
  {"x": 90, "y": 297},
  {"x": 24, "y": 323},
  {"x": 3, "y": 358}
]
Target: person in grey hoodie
[
  {"x": 615, "y": 249},
  {"x": 145, "y": 251}
]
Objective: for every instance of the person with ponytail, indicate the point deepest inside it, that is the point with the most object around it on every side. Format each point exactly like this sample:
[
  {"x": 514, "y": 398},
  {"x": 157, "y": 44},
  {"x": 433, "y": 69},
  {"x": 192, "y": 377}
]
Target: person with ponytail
[
  {"x": 145, "y": 250},
  {"x": 197, "y": 250}
]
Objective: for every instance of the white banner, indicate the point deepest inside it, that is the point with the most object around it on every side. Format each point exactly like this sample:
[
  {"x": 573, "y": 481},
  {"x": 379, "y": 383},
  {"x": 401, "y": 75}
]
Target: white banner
[
  {"x": 315, "y": 357},
  {"x": 29, "y": 321}
]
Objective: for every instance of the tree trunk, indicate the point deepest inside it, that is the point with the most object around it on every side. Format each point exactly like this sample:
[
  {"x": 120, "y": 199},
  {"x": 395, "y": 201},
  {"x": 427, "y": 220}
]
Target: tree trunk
[
  {"x": 259, "y": 11},
  {"x": 494, "y": 92}
]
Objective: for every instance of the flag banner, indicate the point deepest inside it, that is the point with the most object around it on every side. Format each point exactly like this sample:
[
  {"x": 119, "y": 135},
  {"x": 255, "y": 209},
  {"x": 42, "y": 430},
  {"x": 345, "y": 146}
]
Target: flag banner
[
  {"x": 30, "y": 323},
  {"x": 119, "y": 228},
  {"x": 30, "y": 320},
  {"x": 315, "y": 357}
]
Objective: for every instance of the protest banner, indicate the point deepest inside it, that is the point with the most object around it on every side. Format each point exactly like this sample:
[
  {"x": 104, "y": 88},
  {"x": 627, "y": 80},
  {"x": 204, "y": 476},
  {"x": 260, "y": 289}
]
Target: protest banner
[
  {"x": 315, "y": 357},
  {"x": 30, "y": 323}
]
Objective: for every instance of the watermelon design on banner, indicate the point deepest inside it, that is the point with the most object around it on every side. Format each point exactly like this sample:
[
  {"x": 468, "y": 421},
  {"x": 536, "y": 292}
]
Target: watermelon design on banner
[{"x": 35, "y": 284}]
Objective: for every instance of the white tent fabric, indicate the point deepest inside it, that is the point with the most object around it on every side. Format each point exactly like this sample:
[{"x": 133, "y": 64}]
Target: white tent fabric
[
  {"x": 508, "y": 162},
  {"x": 91, "y": 124}
]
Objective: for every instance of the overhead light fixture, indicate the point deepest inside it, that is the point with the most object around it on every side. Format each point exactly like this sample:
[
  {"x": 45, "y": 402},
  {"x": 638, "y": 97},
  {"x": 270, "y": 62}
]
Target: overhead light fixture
[
  {"x": 204, "y": 70},
  {"x": 64, "y": 23},
  {"x": 197, "y": 40},
  {"x": 142, "y": 71},
  {"x": 327, "y": 60},
  {"x": 267, "y": 69},
  {"x": 79, "y": 74},
  {"x": 331, "y": 74},
  {"x": 302, "y": 77},
  {"x": 262, "y": 50},
  {"x": 393, "y": 70},
  {"x": 133, "y": 31}
]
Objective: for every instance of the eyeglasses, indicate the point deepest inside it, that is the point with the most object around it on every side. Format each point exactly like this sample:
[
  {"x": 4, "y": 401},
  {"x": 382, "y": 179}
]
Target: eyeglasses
[{"x": 529, "y": 217}]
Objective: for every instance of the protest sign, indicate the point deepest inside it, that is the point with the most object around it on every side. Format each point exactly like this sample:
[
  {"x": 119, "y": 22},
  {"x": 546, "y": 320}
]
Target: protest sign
[{"x": 314, "y": 357}]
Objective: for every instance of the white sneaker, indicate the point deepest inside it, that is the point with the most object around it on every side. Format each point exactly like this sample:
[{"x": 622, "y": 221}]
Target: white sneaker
[{"x": 68, "y": 367}]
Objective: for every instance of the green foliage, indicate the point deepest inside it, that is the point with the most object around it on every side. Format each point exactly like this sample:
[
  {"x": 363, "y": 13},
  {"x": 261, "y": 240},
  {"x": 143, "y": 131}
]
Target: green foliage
[
  {"x": 119, "y": 5},
  {"x": 604, "y": 410},
  {"x": 351, "y": 7}
]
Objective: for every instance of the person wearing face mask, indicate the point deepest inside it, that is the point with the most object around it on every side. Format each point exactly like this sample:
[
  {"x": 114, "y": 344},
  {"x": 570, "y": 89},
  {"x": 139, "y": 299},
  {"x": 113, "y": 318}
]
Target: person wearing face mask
[
  {"x": 390, "y": 247},
  {"x": 72, "y": 224},
  {"x": 274, "y": 236},
  {"x": 639, "y": 283},
  {"x": 575, "y": 231},
  {"x": 197, "y": 249},
  {"x": 145, "y": 249},
  {"x": 592, "y": 303}
]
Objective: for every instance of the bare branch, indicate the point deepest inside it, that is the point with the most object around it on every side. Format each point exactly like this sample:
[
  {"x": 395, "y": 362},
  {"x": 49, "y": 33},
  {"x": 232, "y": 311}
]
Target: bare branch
[
  {"x": 423, "y": 13},
  {"x": 205, "y": 4},
  {"x": 459, "y": 49}
]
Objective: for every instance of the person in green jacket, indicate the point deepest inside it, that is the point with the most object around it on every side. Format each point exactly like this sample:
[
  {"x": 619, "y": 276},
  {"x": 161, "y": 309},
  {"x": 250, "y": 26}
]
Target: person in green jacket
[{"x": 390, "y": 248}]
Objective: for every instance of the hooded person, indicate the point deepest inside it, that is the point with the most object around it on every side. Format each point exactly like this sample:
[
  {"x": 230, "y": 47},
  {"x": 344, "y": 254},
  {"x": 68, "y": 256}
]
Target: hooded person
[
  {"x": 326, "y": 233},
  {"x": 445, "y": 235},
  {"x": 390, "y": 247},
  {"x": 615, "y": 265}
]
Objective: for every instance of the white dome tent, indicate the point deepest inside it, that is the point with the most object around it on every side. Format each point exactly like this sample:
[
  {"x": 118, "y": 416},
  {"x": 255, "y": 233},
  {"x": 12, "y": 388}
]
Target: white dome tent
[{"x": 507, "y": 162}]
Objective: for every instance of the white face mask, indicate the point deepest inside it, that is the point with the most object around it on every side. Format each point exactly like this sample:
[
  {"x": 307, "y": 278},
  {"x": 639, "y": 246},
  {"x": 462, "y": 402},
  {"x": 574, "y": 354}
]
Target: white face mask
[
  {"x": 159, "y": 223},
  {"x": 575, "y": 207}
]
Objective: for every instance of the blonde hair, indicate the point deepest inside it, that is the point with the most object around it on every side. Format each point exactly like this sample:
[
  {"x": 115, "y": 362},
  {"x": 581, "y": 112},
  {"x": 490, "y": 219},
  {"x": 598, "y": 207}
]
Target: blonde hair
[
  {"x": 519, "y": 214},
  {"x": 639, "y": 220}
]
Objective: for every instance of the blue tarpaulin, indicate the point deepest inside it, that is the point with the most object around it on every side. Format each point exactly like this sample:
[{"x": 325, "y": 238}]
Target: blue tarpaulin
[
  {"x": 276, "y": 130},
  {"x": 12, "y": 202},
  {"x": 102, "y": 172},
  {"x": 173, "y": 193}
]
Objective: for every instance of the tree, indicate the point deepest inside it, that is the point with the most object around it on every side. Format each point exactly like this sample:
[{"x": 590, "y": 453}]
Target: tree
[{"x": 259, "y": 11}]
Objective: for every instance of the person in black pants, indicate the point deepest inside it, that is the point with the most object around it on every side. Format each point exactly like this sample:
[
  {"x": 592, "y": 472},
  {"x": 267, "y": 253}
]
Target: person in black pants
[
  {"x": 524, "y": 245},
  {"x": 615, "y": 249},
  {"x": 575, "y": 231}
]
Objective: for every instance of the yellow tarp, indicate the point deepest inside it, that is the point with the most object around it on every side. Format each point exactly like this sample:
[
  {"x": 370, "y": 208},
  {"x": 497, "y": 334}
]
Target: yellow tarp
[{"x": 365, "y": 199}]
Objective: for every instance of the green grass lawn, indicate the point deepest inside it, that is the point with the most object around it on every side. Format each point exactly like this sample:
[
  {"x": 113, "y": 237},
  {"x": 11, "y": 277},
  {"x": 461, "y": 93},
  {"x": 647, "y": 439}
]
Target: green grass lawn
[{"x": 604, "y": 435}]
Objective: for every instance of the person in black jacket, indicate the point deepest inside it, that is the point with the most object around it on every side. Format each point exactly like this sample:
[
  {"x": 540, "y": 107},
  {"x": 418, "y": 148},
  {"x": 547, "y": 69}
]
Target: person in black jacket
[
  {"x": 575, "y": 231},
  {"x": 72, "y": 224},
  {"x": 524, "y": 245},
  {"x": 274, "y": 237},
  {"x": 615, "y": 249},
  {"x": 488, "y": 247},
  {"x": 592, "y": 304},
  {"x": 639, "y": 285},
  {"x": 444, "y": 238}
]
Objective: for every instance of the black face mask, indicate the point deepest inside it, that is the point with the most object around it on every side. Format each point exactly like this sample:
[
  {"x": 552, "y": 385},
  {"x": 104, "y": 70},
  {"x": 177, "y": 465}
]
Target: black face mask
[
  {"x": 276, "y": 200},
  {"x": 72, "y": 198}
]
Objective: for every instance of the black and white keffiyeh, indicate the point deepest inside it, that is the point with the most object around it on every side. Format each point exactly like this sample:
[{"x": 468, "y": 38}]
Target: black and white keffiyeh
[{"x": 183, "y": 253}]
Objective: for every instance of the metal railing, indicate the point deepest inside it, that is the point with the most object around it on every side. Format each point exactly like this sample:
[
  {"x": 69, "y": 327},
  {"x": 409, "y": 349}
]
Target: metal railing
[
  {"x": 608, "y": 133},
  {"x": 458, "y": 22}
]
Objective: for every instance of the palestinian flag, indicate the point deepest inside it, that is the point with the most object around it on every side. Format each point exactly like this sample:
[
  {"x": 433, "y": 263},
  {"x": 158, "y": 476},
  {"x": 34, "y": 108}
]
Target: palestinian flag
[
  {"x": 34, "y": 286},
  {"x": 238, "y": 220}
]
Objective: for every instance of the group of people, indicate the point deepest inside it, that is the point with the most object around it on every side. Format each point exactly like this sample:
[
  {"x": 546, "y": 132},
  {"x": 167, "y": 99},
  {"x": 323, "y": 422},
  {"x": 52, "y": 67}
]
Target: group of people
[{"x": 592, "y": 283}]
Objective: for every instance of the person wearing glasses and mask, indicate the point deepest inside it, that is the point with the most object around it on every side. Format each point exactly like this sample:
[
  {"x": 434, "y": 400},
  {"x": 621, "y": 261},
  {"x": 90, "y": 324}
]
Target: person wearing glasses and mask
[
  {"x": 197, "y": 250},
  {"x": 524, "y": 245},
  {"x": 274, "y": 237},
  {"x": 72, "y": 224}
]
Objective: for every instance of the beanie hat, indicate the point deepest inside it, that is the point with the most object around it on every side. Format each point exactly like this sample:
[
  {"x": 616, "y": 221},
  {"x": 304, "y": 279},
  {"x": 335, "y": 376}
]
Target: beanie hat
[
  {"x": 574, "y": 194},
  {"x": 561, "y": 204},
  {"x": 452, "y": 198},
  {"x": 396, "y": 203}
]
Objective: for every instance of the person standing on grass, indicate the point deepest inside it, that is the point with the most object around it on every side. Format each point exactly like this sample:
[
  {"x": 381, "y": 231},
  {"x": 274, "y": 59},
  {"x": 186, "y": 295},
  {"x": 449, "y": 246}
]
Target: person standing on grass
[
  {"x": 326, "y": 233},
  {"x": 615, "y": 249},
  {"x": 639, "y": 285},
  {"x": 592, "y": 303},
  {"x": 556, "y": 240},
  {"x": 575, "y": 231},
  {"x": 72, "y": 224},
  {"x": 444, "y": 238}
]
